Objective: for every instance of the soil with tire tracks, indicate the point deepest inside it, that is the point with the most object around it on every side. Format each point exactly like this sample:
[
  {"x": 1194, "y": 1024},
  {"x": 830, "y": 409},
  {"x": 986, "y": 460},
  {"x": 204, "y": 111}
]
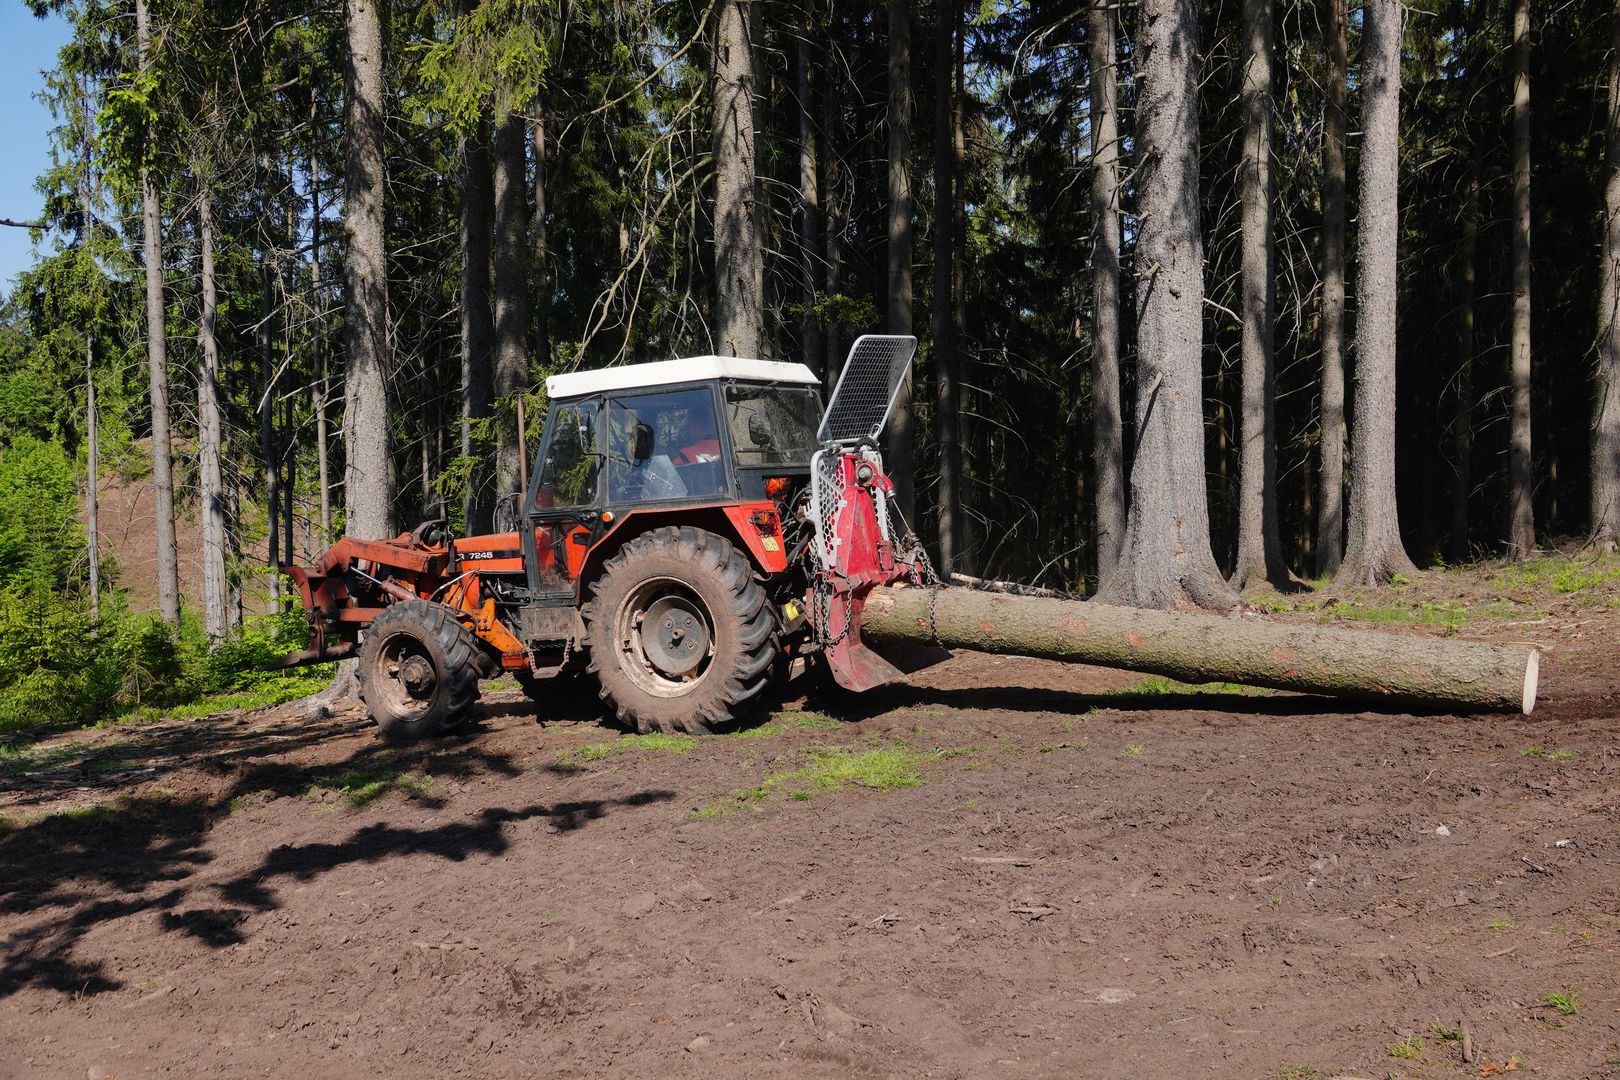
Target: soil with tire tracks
[{"x": 1087, "y": 883}]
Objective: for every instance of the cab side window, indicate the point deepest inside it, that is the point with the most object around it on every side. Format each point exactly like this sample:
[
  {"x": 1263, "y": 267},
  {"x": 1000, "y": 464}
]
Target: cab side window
[
  {"x": 568, "y": 473},
  {"x": 664, "y": 446}
]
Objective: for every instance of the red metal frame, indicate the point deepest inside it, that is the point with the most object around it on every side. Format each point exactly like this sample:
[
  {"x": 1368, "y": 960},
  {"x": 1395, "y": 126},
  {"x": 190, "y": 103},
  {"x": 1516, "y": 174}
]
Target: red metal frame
[{"x": 865, "y": 560}]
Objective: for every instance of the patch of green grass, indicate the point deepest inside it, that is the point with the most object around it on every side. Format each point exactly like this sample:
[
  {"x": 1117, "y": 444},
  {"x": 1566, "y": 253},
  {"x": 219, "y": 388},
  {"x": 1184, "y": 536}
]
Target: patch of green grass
[
  {"x": 1446, "y": 613},
  {"x": 273, "y": 692},
  {"x": 836, "y": 767},
  {"x": 656, "y": 743},
  {"x": 1550, "y": 755},
  {"x": 809, "y": 720},
  {"x": 1134, "y": 750},
  {"x": 1158, "y": 686},
  {"x": 784, "y": 722},
  {"x": 1408, "y": 1049},
  {"x": 830, "y": 770},
  {"x": 1501, "y": 924},
  {"x": 1560, "y": 575},
  {"x": 1443, "y": 1032},
  {"x": 361, "y": 786},
  {"x": 1567, "y": 1003},
  {"x": 1298, "y": 1072}
]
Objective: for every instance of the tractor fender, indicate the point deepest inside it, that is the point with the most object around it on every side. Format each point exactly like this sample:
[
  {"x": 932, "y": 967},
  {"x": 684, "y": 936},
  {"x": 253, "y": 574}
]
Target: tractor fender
[{"x": 755, "y": 527}]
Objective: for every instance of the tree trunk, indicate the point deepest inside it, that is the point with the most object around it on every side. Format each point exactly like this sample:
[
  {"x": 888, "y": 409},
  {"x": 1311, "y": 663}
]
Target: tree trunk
[
  {"x": 289, "y": 466},
  {"x": 1374, "y": 552},
  {"x": 1606, "y": 424},
  {"x": 837, "y": 224},
  {"x": 368, "y": 487},
  {"x": 1389, "y": 669},
  {"x": 1107, "y": 430},
  {"x": 1521, "y": 513},
  {"x": 210, "y": 482},
  {"x": 1336, "y": 122},
  {"x": 897, "y": 442},
  {"x": 267, "y": 436},
  {"x": 967, "y": 526},
  {"x": 92, "y": 455},
  {"x": 477, "y": 319},
  {"x": 511, "y": 296},
  {"x": 157, "y": 361},
  {"x": 1259, "y": 551},
  {"x": 738, "y": 261},
  {"x": 1462, "y": 400},
  {"x": 320, "y": 387},
  {"x": 92, "y": 482},
  {"x": 947, "y": 395},
  {"x": 542, "y": 243},
  {"x": 1166, "y": 560},
  {"x": 809, "y": 192}
]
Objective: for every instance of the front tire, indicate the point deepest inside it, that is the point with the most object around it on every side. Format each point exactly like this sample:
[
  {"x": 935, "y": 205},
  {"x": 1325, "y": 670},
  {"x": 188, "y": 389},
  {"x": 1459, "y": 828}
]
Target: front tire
[
  {"x": 418, "y": 671},
  {"x": 682, "y": 637}
]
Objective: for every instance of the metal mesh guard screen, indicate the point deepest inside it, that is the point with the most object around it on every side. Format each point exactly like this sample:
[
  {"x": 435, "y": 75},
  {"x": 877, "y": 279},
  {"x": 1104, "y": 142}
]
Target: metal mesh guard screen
[{"x": 872, "y": 375}]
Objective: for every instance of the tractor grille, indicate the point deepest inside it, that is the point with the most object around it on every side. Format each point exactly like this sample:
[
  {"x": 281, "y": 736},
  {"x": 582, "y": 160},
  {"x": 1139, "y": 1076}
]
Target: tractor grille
[{"x": 872, "y": 375}]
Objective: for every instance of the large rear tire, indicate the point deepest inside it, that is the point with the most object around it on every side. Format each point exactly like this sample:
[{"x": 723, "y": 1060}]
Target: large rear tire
[
  {"x": 682, "y": 637},
  {"x": 418, "y": 671}
]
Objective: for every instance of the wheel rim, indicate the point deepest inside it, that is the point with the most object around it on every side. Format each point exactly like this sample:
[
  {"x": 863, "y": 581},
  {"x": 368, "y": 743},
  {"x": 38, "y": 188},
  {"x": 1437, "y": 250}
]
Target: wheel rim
[
  {"x": 408, "y": 680},
  {"x": 666, "y": 637}
]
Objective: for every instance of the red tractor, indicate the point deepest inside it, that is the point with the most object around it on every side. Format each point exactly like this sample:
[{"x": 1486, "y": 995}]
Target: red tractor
[{"x": 690, "y": 526}]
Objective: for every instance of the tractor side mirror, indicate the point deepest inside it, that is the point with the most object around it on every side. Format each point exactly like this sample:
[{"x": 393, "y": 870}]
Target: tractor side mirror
[
  {"x": 759, "y": 430},
  {"x": 641, "y": 442}
]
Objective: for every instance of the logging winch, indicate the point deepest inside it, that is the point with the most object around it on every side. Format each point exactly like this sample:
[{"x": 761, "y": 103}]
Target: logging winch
[{"x": 691, "y": 526}]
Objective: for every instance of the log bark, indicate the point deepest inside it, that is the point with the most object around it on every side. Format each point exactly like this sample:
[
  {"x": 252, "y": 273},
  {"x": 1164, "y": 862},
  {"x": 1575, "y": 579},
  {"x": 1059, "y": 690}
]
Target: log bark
[{"x": 1389, "y": 669}]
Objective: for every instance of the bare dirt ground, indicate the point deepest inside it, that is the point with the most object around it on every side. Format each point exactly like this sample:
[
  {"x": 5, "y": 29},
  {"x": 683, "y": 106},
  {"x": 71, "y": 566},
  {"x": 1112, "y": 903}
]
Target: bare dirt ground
[{"x": 1086, "y": 883}]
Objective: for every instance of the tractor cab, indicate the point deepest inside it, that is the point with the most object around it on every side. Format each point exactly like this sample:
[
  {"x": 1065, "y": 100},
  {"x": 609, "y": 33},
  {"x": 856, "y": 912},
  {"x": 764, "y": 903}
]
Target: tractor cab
[{"x": 666, "y": 439}]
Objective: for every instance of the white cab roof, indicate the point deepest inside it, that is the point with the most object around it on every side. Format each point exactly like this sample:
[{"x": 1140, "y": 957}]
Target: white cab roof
[{"x": 670, "y": 372}]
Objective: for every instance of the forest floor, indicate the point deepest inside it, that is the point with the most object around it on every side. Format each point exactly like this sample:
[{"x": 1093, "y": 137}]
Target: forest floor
[{"x": 1007, "y": 868}]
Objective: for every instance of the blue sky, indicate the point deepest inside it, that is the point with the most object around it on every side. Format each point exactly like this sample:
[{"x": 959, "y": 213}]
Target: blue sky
[{"x": 25, "y": 124}]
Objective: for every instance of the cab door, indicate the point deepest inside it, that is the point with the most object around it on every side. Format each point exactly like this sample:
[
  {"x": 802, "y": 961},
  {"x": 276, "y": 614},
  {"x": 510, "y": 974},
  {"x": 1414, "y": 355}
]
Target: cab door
[{"x": 561, "y": 510}]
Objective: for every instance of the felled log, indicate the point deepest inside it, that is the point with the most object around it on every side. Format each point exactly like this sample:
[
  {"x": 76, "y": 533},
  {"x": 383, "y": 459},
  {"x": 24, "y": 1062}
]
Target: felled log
[{"x": 1389, "y": 669}]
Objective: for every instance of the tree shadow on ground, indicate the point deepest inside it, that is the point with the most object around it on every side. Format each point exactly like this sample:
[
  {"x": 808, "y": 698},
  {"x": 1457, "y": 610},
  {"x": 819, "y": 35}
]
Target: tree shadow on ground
[
  {"x": 874, "y": 703},
  {"x": 70, "y": 872},
  {"x": 146, "y": 753}
]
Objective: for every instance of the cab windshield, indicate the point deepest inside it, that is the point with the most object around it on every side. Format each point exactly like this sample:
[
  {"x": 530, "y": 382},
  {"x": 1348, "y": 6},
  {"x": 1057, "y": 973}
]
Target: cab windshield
[
  {"x": 664, "y": 446},
  {"x": 772, "y": 425}
]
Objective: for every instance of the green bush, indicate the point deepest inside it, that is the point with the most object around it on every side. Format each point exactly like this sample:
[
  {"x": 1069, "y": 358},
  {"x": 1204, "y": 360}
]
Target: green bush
[{"x": 58, "y": 666}]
